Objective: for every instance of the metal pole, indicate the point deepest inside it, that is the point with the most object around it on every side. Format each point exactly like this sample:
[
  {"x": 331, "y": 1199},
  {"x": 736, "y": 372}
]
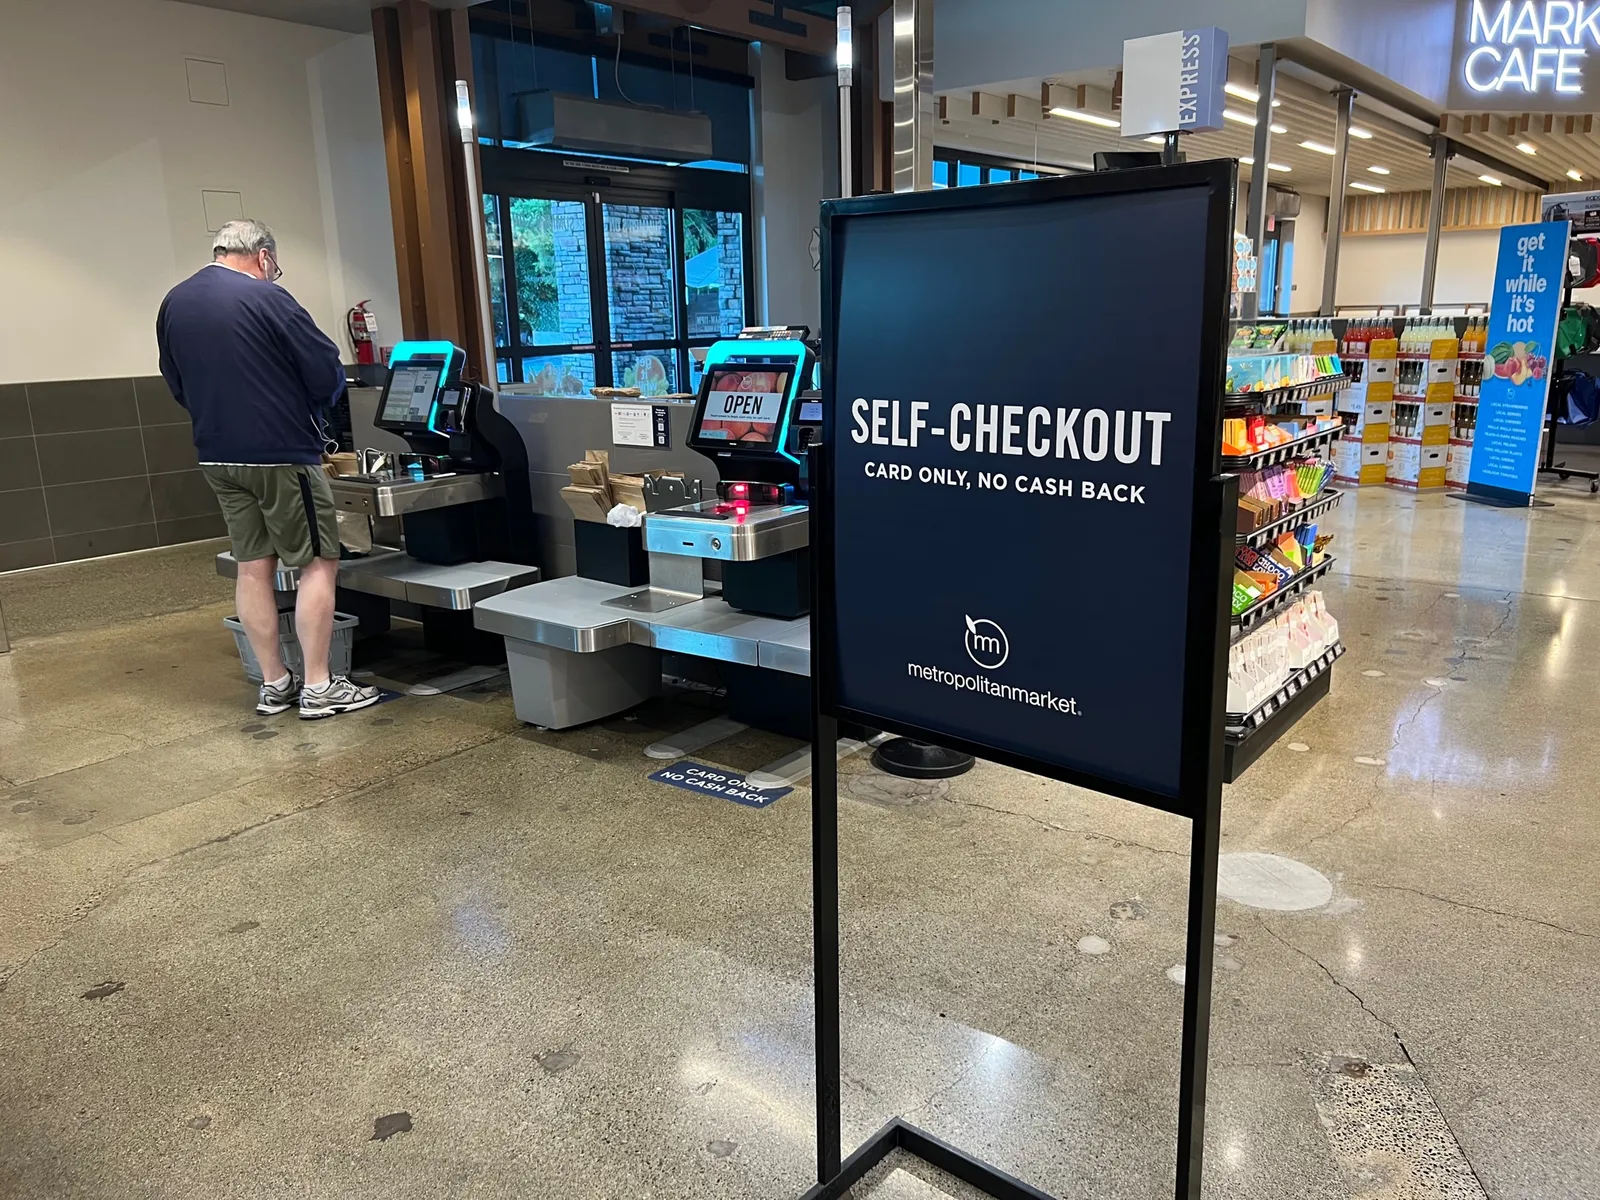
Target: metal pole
[
  {"x": 5, "y": 642},
  {"x": 913, "y": 91},
  {"x": 480, "y": 250},
  {"x": 1343, "y": 102},
  {"x": 1250, "y": 302},
  {"x": 1430, "y": 254},
  {"x": 845, "y": 60},
  {"x": 825, "y": 937},
  {"x": 1169, "y": 149}
]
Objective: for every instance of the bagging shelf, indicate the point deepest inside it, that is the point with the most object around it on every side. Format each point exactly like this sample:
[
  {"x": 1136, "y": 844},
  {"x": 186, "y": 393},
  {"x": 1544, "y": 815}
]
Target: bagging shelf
[
  {"x": 1329, "y": 499},
  {"x": 1278, "y": 454},
  {"x": 1293, "y": 394},
  {"x": 1247, "y": 621},
  {"x": 1241, "y": 725}
]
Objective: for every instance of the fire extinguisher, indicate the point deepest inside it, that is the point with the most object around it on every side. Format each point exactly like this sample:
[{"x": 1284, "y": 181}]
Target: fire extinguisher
[{"x": 363, "y": 325}]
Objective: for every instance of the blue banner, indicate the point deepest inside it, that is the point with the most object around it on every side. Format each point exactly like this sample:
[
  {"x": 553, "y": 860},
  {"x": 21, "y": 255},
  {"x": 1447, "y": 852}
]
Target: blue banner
[{"x": 1523, "y": 312}]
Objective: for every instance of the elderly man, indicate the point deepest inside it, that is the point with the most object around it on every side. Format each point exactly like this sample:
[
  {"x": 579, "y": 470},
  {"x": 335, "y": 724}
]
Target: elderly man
[{"x": 253, "y": 371}]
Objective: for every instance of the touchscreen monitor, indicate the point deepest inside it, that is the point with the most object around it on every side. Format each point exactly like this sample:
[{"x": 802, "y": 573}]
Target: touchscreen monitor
[
  {"x": 744, "y": 405},
  {"x": 408, "y": 397}
]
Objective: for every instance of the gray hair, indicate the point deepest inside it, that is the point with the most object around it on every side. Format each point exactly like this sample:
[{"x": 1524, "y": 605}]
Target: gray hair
[{"x": 243, "y": 237}]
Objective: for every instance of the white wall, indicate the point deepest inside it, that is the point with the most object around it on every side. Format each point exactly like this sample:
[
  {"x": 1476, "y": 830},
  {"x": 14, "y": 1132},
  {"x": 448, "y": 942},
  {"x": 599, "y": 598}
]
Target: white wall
[
  {"x": 1387, "y": 268},
  {"x": 797, "y": 164},
  {"x": 105, "y": 157}
]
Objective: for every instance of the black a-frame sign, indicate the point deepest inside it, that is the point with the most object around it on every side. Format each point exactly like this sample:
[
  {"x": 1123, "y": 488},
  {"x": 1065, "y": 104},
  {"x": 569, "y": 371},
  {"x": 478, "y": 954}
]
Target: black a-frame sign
[{"x": 1005, "y": 435}]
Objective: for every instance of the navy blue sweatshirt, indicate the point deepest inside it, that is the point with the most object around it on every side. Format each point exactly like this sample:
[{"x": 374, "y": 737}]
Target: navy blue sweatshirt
[{"x": 250, "y": 365}]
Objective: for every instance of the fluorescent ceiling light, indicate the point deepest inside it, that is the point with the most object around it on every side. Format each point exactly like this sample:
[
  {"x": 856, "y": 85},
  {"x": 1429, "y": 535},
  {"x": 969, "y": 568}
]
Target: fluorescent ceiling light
[
  {"x": 1358, "y": 132},
  {"x": 1271, "y": 166},
  {"x": 1490, "y": 179},
  {"x": 1157, "y": 140},
  {"x": 1318, "y": 147},
  {"x": 1379, "y": 170},
  {"x": 1527, "y": 147},
  {"x": 1247, "y": 93},
  {"x": 1279, "y": 128},
  {"x": 1366, "y": 187},
  {"x": 1575, "y": 175},
  {"x": 1231, "y": 114},
  {"x": 1078, "y": 114}
]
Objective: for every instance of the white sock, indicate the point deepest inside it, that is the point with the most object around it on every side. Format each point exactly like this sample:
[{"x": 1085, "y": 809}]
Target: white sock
[{"x": 281, "y": 683}]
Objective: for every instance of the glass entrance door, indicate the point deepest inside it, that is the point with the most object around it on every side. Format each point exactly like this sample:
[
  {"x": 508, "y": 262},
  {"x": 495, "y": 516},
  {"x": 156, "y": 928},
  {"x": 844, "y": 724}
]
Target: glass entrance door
[{"x": 610, "y": 287}]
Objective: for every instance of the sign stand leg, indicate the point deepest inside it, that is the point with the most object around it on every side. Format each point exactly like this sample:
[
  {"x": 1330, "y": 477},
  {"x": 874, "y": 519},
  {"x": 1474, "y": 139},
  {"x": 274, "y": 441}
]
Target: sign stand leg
[
  {"x": 825, "y": 935},
  {"x": 1197, "y": 997}
]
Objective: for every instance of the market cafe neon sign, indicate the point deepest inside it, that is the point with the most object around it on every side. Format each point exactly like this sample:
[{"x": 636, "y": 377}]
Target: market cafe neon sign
[{"x": 1528, "y": 47}]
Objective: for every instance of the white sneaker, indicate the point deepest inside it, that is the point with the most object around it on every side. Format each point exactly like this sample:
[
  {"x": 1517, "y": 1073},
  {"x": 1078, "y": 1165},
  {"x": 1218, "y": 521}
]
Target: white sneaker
[
  {"x": 276, "y": 698},
  {"x": 338, "y": 696}
]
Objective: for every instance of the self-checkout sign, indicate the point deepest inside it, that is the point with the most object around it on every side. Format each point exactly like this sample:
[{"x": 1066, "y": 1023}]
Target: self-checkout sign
[{"x": 696, "y": 777}]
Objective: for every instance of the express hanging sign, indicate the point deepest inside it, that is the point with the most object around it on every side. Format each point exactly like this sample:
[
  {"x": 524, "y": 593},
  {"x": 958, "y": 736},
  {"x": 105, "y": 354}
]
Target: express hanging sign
[{"x": 1513, "y": 55}]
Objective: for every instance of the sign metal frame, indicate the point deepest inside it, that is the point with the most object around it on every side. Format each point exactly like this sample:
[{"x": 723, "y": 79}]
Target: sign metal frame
[{"x": 1198, "y": 795}]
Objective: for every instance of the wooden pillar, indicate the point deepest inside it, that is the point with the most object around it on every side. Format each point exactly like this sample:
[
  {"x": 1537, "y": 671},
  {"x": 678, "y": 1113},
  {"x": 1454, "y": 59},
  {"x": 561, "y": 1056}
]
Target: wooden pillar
[{"x": 421, "y": 52}]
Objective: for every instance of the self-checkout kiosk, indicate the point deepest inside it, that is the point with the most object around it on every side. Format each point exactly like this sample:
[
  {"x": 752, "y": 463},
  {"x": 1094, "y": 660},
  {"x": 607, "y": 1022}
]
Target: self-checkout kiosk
[
  {"x": 729, "y": 576},
  {"x": 463, "y": 502},
  {"x": 752, "y": 421}
]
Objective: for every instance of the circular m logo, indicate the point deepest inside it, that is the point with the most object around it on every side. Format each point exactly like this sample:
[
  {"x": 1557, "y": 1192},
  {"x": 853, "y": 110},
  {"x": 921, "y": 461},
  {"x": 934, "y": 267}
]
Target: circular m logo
[{"x": 987, "y": 644}]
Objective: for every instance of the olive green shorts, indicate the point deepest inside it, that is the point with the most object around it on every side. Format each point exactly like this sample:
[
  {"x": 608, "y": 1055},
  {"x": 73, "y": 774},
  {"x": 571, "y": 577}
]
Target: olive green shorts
[{"x": 285, "y": 511}]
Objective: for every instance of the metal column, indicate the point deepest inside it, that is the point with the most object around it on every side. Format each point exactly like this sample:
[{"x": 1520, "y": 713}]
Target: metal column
[
  {"x": 913, "y": 95},
  {"x": 1343, "y": 101},
  {"x": 1430, "y": 255},
  {"x": 480, "y": 249},
  {"x": 1250, "y": 303},
  {"x": 844, "y": 60}
]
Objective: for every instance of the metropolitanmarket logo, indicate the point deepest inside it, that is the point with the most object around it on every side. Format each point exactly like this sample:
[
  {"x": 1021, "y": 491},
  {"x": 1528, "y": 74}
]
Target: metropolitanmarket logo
[{"x": 986, "y": 643}]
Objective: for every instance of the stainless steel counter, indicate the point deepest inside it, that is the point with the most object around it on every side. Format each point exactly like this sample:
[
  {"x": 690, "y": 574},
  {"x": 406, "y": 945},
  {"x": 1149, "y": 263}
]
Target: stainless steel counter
[
  {"x": 393, "y": 494},
  {"x": 395, "y": 575},
  {"x": 573, "y": 614},
  {"x": 702, "y": 531}
]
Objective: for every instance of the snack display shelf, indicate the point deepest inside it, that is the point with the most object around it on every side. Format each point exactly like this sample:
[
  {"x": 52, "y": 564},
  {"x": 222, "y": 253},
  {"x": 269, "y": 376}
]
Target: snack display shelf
[
  {"x": 1240, "y": 751},
  {"x": 1291, "y": 394},
  {"x": 1240, "y": 725},
  {"x": 1245, "y": 622},
  {"x": 1278, "y": 454},
  {"x": 1329, "y": 499}
]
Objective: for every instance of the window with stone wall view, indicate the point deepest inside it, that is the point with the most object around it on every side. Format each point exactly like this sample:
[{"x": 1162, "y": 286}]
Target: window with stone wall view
[
  {"x": 550, "y": 254},
  {"x": 713, "y": 272}
]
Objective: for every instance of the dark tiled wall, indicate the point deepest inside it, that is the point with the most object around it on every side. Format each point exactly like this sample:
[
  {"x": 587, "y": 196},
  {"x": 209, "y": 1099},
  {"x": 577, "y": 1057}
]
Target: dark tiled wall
[{"x": 97, "y": 466}]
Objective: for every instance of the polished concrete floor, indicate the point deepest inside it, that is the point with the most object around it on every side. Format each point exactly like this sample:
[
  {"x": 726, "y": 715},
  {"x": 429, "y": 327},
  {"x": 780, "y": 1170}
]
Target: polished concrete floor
[{"x": 423, "y": 951}]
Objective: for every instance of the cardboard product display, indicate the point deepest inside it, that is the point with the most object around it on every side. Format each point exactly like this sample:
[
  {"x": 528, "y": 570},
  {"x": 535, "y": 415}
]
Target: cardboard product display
[
  {"x": 1458, "y": 462},
  {"x": 1363, "y": 459}
]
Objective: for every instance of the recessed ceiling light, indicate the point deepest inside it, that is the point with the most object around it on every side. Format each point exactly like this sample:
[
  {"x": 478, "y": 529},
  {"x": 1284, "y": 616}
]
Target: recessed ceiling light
[
  {"x": 1527, "y": 147},
  {"x": 1277, "y": 128},
  {"x": 1379, "y": 170},
  {"x": 1247, "y": 93},
  {"x": 1233, "y": 114},
  {"x": 1318, "y": 147},
  {"x": 1366, "y": 187},
  {"x": 1490, "y": 179},
  {"x": 1358, "y": 132},
  {"x": 1575, "y": 175},
  {"x": 1078, "y": 114}
]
